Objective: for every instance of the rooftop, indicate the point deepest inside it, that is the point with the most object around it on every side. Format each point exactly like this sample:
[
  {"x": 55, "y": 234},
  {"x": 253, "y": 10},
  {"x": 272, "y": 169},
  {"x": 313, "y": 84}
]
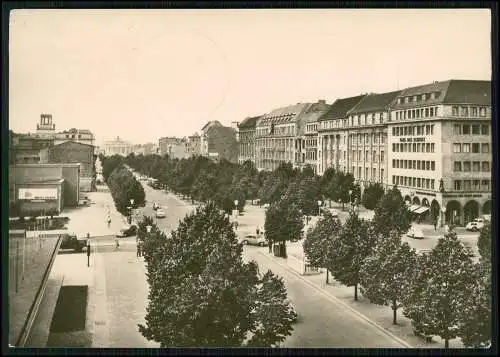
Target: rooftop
[
  {"x": 341, "y": 107},
  {"x": 375, "y": 102},
  {"x": 249, "y": 122}
]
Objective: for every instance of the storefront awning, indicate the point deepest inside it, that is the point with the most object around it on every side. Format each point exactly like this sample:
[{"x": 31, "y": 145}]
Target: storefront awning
[
  {"x": 421, "y": 210},
  {"x": 412, "y": 208}
]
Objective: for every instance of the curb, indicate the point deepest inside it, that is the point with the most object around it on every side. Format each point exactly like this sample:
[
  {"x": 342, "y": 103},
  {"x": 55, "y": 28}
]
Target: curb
[{"x": 337, "y": 300}]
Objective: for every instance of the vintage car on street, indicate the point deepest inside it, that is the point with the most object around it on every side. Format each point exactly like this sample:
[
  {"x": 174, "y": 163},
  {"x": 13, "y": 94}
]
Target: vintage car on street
[
  {"x": 253, "y": 239},
  {"x": 70, "y": 241},
  {"x": 415, "y": 233},
  {"x": 127, "y": 231},
  {"x": 475, "y": 225},
  {"x": 160, "y": 213}
]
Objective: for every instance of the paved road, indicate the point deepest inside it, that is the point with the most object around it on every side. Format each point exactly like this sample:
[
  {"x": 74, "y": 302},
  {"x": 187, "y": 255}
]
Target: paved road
[{"x": 323, "y": 321}]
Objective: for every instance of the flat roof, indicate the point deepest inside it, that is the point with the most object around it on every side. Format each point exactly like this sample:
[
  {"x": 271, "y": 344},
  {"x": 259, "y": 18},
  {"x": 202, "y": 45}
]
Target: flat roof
[{"x": 41, "y": 182}]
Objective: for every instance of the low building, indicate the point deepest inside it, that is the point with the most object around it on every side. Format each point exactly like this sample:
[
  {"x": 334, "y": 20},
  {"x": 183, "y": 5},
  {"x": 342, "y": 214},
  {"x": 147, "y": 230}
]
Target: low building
[
  {"x": 246, "y": 139},
  {"x": 117, "y": 147},
  {"x": 36, "y": 189},
  {"x": 26, "y": 148}
]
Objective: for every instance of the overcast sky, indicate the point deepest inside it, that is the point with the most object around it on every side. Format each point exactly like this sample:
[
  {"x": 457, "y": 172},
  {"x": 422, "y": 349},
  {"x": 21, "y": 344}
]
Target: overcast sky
[{"x": 144, "y": 74}]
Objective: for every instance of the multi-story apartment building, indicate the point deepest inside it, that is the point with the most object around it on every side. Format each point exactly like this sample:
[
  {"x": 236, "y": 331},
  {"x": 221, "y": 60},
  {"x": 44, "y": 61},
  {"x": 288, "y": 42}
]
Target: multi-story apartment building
[
  {"x": 333, "y": 133},
  {"x": 174, "y": 147},
  {"x": 307, "y": 145},
  {"x": 218, "y": 142},
  {"x": 194, "y": 144},
  {"x": 367, "y": 138},
  {"x": 440, "y": 149},
  {"x": 275, "y": 136},
  {"x": 246, "y": 139}
]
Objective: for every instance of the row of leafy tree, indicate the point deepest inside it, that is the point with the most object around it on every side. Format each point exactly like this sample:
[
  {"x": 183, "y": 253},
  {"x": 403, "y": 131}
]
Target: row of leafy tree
[
  {"x": 202, "y": 179},
  {"x": 122, "y": 184},
  {"x": 202, "y": 293},
  {"x": 443, "y": 292}
]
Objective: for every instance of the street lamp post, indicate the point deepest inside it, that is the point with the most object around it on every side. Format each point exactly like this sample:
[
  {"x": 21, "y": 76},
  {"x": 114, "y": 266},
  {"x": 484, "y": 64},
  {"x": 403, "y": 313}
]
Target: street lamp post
[
  {"x": 130, "y": 210},
  {"x": 443, "y": 210}
]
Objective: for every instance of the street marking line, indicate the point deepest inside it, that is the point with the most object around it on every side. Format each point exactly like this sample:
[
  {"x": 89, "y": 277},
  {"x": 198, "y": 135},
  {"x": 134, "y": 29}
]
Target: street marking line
[{"x": 337, "y": 300}]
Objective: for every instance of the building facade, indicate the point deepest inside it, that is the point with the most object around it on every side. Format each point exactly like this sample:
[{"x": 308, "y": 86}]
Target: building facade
[
  {"x": 27, "y": 149},
  {"x": 70, "y": 152},
  {"x": 276, "y": 134},
  {"x": 333, "y": 134},
  {"x": 174, "y": 147},
  {"x": 246, "y": 139},
  {"x": 194, "y": 145},
  {"x": 117, "y": 147},
  {"x": 440, "y": 149},
  {"x": 218, "y": 142},
  {"x": 43, "y": 188},
  {"x": 307, "y": 140},
  {"x": 82, "y": 136},
  {"x": 366, "y": 157}
]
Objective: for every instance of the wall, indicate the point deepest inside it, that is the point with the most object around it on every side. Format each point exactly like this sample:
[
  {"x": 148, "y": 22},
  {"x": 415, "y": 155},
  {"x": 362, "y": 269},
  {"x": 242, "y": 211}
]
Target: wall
[
  {"x": 71, "y": 175},
  {"x": 70, "y": 152}
]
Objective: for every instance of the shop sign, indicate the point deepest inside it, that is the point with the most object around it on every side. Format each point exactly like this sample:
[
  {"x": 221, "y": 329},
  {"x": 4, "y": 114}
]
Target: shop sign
[
  {"x": 37, "y": 194},
  {"x": 463, "y": 196},
  {"x": 412, "y": 140},
  {"x": 425, "y": 193}
]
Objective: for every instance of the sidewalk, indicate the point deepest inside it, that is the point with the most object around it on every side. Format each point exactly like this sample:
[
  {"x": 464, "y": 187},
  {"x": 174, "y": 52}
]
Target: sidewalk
[{"x": 92, "y": 219}]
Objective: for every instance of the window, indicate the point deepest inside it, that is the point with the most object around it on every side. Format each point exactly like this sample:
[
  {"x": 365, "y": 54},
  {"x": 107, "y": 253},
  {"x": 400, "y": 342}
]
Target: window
[
  {"x": 458, "y": 185},
  {"x": 466, "y": 166},
  {"x": 367, "y": 156},
  {"x": 427, "y": 129},
  {"x": 427, "y": 147},
  {"x": 464, "y": 111},
  {"x": 476, "y": 129},
  {"x": 414, "y": 147},
  {"x": 467, "y": 185},
  {"x": 432, "y": 129},
  {"x": 366, "y": 173},
  {"x": 431, "y": 112},
  {"x": 418, "y": 165},
  {"x": 457, "y": 129},
  {"x": 485, "y": 129},
  {"x": 485, "y": 166},
  {"x": 454, "y": 111},
  {"x": 432, "y": 184},
  {"x": 432, "y": 147},
  {"x": 475, "y": 148},
  {"x": 426, "y": 112},
  {"x": 474, "y": 111},
  {"x": 457, "y": 166},
  {"x": 405, "y": 164},
  {"x": 409, "y": 164},
  {"x": 418, "y": 182},
  {"x": 476, "y": 185},
  {"x": 482, "y": 112},
  {"x": 485, "y": 185},
  {"x": 374, "y": 158},
  {"x": 414, "y": 164},
  {"x": 465, "y": 147},
  {"x": 374, "y": 174},
  {"x": 427, "y": 165},
  {"x": 476, "y": 166},
  {"x": 382, "y": 156},
  {"x": 414, "y": 181},
  {"x": 383, "y": 138}
]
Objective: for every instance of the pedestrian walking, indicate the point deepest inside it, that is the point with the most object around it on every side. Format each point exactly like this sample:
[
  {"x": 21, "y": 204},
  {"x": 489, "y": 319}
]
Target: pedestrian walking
[
  {"x": 109, "y": 221},
  {"x": 117, "y": 243},
  {"x": 139, "y": 247},
  {"x": 270, "y": 247},
  {"x": 257, "y": 230}
]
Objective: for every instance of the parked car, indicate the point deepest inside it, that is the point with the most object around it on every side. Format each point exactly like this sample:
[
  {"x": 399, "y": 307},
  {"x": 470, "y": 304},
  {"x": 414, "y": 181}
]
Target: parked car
[
  {"x": 127, "y": 231},
  {"x": 415, "y": 233},
  {"x": 475, "y": 225},
  {"x": 254, "y": 240},
  {"x": 160, "y": 213},
  {"x": 70, "y": 241}
]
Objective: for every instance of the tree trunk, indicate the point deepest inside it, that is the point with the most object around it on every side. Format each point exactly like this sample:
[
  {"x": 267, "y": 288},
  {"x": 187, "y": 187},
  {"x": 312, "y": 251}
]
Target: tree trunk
[
  {"x": 394, "y": 312},
  {"x": 355, "y": 292},
  {"x": 327, "y": 275},
  {"x": 446, "y": 343}
]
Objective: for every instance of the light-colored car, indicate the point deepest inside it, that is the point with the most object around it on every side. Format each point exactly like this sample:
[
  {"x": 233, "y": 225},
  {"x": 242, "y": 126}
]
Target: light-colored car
[
  {"x": 254, "y": 240},
  {"x": 415, "y": 233},
  {"x": 475, "y": 225},
  {"x": 160, "y": 213}
]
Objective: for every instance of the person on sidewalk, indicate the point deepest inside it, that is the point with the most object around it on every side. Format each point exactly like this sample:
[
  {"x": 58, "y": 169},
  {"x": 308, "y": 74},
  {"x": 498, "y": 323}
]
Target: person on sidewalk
[
  {"x": 117, "y": 243},
  {"x": 270, "y": 246},
  {"x": 109, "y": 221},
  {"x": 139, "y": 249}
]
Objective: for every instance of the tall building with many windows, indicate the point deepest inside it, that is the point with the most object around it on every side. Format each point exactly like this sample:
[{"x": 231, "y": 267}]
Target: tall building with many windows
[
  {"x": 440, "y": 149},
  {"x": 246, "y": 139},
  {"x": 333, "y": 133}
]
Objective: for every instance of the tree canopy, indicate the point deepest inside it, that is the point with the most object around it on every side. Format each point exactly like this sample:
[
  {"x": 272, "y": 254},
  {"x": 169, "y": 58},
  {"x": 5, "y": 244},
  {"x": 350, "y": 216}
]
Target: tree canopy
[{"x": 391, "y": 214}]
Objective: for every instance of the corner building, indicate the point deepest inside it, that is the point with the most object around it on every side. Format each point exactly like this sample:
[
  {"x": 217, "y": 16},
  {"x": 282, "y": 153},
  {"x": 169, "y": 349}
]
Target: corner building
[{"x": 439, "y": 141}]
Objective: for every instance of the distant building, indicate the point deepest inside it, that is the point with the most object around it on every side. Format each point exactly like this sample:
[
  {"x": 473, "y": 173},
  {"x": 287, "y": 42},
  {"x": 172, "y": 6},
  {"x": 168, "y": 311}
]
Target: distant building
[
  {"x": 218, "y": 141},
  {"x": 83, "y": 136},
  {"x": 46, "y": 128},
  {"x": 194, "y": 145},
  {"x": 246, "y": 140},
  {"x": 117, "y": 147},
  {"x": 175, "y": 148}
]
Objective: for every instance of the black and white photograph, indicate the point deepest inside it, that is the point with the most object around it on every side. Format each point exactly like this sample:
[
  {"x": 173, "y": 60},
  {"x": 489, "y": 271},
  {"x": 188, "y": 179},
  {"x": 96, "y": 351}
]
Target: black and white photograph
[{"x": 275, "y": 178}]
